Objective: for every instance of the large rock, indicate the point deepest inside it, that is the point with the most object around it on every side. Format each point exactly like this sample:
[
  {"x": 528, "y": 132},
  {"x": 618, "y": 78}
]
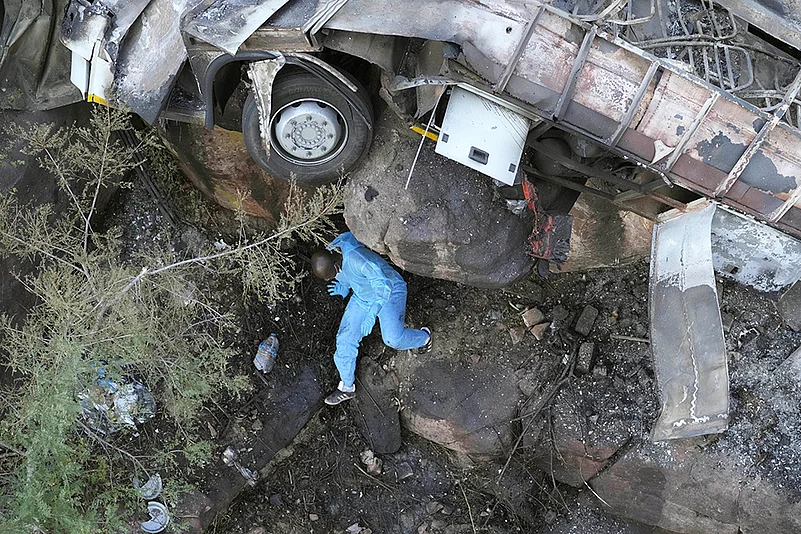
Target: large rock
[
  {"x": 288, "y": 403},
  {"x": 377, "y": 413},
  {"x": 445, "y": 225},
  {"x": 684, "y": 488},
  {"x": 468, "y": 409}
]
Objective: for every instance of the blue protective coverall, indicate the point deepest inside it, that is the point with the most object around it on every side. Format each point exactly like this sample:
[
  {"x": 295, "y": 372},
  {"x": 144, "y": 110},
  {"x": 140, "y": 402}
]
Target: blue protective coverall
[{"x": 378, "y": 291}]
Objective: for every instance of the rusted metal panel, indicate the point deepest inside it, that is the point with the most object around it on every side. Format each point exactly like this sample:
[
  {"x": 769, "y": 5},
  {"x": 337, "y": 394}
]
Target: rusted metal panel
[{"x": 671, "y": 113}]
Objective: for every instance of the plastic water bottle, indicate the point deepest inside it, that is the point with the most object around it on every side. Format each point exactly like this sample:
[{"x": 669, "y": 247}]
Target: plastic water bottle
[{"x": 267, "y": 353}]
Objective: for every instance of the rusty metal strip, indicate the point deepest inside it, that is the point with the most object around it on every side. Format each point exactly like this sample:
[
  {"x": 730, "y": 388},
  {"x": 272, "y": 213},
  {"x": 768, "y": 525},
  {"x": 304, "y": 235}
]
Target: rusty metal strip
[
  {"x": 635, "y": 103},
  {"x": 780, "y": 212},
  {"x": 760, "y": 138},
  {"x": 570, "y": 86},
  {"x": 581, "y": 188},
  {"x": 702, "y": 113},
  {"x": 521, "y": 47}
]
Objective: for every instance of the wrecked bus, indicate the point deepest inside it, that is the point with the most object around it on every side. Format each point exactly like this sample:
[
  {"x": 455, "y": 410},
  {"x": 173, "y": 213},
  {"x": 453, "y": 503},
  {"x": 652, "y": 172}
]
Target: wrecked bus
[{"x": 692, "y": 104}]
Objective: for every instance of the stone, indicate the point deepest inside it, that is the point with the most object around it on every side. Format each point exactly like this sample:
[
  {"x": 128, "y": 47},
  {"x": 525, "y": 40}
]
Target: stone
[
  {"x": 584, "y": 358},
  {"x": 539, "y": 330},
  {"x": 604, "y": 236},
  {"x": 378, "y": 417},
  {"x": 517, "y": 333},
  {"x": 559, "y": 313},
  {"x": 586, "y": 320},
  {"x": 789, "y": 307},
  {"x": 286, "y": 409},
  {"x": 446, "y": 225},
  {"x": 468, "y": 409},
  {"x": 217, "y": 163},
  {"x": 532, "y": 316}
]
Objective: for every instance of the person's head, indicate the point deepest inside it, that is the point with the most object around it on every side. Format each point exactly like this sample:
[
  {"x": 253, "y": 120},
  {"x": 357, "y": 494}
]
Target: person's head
[{"x": 326, "y": 264}]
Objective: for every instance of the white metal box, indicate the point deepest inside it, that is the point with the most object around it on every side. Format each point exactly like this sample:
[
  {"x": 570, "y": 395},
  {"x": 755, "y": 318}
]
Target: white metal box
[{"x": 483, "y": 135}]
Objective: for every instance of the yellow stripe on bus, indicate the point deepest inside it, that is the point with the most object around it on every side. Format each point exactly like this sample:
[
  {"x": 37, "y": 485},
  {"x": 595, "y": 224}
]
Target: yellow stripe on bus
[{"x": 431, "y": 135}]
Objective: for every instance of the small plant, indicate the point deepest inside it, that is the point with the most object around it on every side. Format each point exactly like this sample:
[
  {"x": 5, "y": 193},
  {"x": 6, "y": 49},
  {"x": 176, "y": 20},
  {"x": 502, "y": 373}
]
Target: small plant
[{"x": 103, "y": 320}]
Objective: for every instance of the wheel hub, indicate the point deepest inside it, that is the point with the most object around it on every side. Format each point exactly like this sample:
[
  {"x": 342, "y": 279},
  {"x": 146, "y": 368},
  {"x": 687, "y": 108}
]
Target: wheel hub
[{"x": 308, "y": 132}]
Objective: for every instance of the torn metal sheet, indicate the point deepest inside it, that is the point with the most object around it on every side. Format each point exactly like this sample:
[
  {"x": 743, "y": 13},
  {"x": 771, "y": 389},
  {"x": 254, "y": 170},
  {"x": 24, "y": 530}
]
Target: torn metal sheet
[
  {"x": 34, "y": 65},
  {"x": 151, "y": 58},
  {"x": 262, "y": 74},
  {"x": 226, "y": 24},
  {"x": 686, "y": 329},
  {"x": 493, "y": 27},
  {"x": 754, "y": 254}
]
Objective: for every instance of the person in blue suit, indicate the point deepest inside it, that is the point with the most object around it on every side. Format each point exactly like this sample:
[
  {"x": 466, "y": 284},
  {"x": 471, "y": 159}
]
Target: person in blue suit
[{"x": 378, "y": 292}]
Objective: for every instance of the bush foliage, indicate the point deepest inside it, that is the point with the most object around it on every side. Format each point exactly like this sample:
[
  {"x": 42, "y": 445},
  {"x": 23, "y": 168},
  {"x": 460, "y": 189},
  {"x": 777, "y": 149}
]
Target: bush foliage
[{"x": 145, "y": 317}]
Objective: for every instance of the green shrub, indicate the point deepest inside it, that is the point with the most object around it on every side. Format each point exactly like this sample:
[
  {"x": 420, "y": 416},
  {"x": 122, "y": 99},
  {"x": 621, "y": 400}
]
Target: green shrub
[{"x": 147, "y": 318}]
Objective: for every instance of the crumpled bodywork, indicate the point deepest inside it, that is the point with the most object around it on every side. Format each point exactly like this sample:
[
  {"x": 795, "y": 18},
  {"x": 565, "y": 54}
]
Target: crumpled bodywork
[
  {"x": 34, "y": 66},
  {"x": 572, "y": 70},
  {"x": 686, "y": 329}
]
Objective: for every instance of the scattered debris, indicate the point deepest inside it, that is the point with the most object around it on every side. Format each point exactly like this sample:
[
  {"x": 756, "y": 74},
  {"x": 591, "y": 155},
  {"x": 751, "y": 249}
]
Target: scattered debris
[
  {"x": 630, "y": 338},
  {"x": 371, "y": 462},
  {"x": 538, "y": 331},
  {"x": 150, "y": 489},
  {"x": 159, "y": 518},
  {"x": 356, "y": 528},
  {"x": 517, "y": 333},
  {"x": 230, "y": 458},
  {"x": 586, "y": 320},
  {"x": 403, "y": 471},
  {"x": 267, "y": 354},
  {"x": 108, "y": 406},
  {"x": 559, "y": 313},
  {"x": 791, "y": 367},
  {"x": 532, "y": 316},
  {"x": 585, "y": 354}
]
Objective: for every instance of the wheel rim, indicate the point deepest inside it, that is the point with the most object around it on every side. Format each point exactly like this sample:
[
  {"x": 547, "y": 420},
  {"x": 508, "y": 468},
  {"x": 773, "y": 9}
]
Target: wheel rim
[{"x": 308, "y": 132}]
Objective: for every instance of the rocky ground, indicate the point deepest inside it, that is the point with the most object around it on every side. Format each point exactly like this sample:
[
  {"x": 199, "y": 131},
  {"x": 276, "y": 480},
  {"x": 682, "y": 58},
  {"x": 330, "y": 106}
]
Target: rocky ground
[{"x": 532, "y": 414}]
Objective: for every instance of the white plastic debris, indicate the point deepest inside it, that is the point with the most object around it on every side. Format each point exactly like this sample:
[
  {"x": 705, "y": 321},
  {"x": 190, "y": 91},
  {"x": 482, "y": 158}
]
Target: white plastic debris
[
  {"x": 267, "y": 354},
  {"x": 159, "y": 518},
  {"x": 372, "y": 462},
  {"x": 150, "y": 489}
]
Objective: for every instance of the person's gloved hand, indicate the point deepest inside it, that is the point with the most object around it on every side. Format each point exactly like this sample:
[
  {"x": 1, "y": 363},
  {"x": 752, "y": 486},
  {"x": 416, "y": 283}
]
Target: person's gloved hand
[
  {"x": 367, "y": 325},
  {"x": 337, "y": 288}
]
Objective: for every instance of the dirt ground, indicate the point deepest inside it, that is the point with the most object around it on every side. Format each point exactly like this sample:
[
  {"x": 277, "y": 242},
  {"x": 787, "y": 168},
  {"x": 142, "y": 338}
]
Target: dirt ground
[{"x": 319, "y": 484}]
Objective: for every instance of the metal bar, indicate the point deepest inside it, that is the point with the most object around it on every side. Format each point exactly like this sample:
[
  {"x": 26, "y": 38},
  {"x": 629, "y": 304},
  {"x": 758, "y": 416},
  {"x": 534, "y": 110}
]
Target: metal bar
[
  {"x": 558, "y": 180},
  {"x": 645, "y": 190},
  {"x": 667, "y": 201},
  {"x": 584, "y": 169},
  {"x": 635, "y": 104},
  {"x": 581, "y": 57},
  {"x": 780, "y": 212},
  {"x": 760, "y": 138},
  {"x": 702, "y": 113},
  {"x": 521, "y": 47}
]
